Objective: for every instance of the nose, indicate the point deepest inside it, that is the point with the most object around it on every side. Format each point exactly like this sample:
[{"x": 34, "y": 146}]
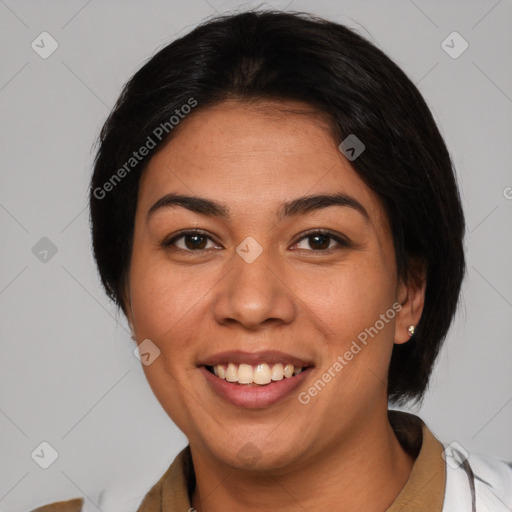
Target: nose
[{"x": 254, "y": 294}]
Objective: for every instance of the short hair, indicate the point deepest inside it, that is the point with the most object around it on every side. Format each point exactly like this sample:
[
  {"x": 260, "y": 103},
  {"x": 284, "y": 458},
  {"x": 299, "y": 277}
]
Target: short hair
[{"x": 273, "y": 55}]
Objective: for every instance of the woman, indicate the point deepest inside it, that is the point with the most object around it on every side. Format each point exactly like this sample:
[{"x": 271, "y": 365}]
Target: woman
[{"x": 276, "y": 213}]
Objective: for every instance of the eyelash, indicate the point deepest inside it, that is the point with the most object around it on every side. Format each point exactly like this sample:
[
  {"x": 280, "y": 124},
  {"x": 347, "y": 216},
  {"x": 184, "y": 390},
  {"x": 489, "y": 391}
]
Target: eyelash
[{"x": 343, "y": 243}]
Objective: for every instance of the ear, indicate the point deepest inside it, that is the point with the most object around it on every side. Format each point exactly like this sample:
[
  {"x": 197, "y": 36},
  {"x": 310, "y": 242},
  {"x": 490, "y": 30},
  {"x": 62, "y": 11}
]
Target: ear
[{"x": 411, "y": 296}]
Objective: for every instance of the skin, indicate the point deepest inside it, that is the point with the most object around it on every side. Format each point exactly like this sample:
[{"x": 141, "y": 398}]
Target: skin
[{"x": 338, "y": 452}]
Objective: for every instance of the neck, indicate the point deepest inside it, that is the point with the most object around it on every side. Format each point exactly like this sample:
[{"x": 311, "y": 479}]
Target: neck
[{"x": 365, "y": 471}]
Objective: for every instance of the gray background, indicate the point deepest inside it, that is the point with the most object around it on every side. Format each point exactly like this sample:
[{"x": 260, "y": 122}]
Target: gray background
[{"x": 68, "y": 375}]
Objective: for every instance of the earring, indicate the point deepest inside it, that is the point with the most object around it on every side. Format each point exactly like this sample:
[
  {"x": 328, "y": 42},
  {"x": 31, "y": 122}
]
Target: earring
[{"x": 410, "y": 330}]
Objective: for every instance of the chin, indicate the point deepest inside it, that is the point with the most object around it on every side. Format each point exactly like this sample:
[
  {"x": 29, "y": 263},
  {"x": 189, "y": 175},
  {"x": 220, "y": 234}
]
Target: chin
[{"x": 257, "y": 456}]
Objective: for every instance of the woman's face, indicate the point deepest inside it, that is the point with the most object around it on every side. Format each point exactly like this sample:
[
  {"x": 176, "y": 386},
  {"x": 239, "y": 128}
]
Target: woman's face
[{"x": 272, "y": 279}]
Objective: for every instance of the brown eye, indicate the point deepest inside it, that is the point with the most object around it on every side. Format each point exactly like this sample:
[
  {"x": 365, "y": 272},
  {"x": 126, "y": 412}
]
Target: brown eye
[
  {"x": 190, "y": 241},
  {"x": 193, "y": 242},
  {"x": 321, "y": 241}
]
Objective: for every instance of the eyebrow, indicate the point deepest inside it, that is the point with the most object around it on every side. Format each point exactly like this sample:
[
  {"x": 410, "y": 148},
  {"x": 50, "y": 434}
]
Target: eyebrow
[{"x": 296, "y": 207}]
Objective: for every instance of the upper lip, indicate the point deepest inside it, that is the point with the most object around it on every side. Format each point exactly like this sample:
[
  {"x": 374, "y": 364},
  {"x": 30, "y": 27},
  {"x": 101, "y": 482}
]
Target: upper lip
[{"x": 263, "y": 356}]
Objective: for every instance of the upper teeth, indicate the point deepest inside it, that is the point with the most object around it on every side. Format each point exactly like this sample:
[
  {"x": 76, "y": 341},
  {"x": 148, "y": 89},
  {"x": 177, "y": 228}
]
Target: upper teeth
[{"x": 258, "y": 374}]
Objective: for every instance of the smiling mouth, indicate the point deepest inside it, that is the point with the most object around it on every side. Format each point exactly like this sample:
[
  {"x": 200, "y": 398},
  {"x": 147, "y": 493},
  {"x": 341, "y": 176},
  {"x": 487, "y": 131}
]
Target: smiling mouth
[{"x": 255, "y": 375}]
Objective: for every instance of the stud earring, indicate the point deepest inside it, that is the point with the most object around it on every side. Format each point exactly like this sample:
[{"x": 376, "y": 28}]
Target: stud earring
[{"x": 410, "y": 330}]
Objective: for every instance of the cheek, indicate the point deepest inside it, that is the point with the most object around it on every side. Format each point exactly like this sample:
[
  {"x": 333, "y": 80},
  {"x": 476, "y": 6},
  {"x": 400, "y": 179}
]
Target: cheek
[
  {"x": 163, "y": 302},
  {"x": 348, "y": 299},
  {"x": 355, "y": 304},
  {"x": 165, "y": 307}
]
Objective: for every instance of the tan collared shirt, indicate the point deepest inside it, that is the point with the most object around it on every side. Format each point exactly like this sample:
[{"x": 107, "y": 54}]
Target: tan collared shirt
[{"x": 423, "y": 492}]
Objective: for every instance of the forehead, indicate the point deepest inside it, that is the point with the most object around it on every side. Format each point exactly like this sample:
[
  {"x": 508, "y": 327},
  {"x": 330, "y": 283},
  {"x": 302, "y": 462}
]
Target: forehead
[{"x": 254, "y": 155}]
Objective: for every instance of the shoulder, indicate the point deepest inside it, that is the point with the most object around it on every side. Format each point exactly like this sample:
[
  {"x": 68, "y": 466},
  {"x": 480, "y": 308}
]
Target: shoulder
[
  {"x": 74, "y": 505},
  {"x": 476, "y": 482},
  {"x": 123, "y": 493},
  {"x": 120, "y": 496},
  {"x": 127, "y": 493}
]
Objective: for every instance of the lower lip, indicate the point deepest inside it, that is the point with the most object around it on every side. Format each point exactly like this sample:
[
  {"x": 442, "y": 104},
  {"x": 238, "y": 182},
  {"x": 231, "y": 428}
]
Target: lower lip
[{"x": 256, "y": 396}]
